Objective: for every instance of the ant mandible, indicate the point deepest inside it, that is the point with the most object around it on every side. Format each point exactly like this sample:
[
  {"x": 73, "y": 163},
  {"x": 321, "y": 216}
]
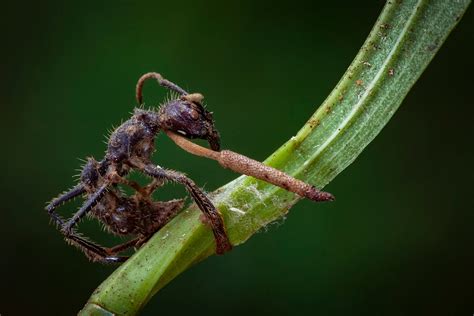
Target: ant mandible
[{"x": 130, "y": 148}]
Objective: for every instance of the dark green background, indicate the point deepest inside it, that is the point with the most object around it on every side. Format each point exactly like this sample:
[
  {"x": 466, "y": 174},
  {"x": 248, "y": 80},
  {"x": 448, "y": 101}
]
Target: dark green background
[{"x": 399, "y": 238}]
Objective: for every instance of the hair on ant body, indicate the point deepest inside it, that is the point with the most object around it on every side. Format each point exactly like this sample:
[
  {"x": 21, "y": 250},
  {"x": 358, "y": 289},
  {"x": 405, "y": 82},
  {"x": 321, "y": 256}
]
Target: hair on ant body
[{"x": 130, "y": 147}]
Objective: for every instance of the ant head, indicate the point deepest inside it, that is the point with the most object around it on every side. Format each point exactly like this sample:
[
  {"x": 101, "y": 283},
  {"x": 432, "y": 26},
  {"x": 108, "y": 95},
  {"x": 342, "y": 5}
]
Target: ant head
[{"x": 187, "y": 116}]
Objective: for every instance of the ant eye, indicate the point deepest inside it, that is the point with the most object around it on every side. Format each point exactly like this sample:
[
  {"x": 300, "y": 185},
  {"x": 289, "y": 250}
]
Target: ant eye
[{"x": 194, "y": 114}]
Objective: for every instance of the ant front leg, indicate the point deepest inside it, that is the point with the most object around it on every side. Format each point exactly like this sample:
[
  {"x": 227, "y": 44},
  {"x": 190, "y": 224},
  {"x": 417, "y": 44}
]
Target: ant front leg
[{"x": 205, "y": 205}]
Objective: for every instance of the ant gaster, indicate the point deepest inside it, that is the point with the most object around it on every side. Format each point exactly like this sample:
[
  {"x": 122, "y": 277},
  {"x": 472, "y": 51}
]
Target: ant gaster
[{"x": 130, "y": 148}]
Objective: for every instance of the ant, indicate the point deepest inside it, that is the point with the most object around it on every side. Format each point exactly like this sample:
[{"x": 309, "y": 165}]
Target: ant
[{"x": 130, "y": 148}]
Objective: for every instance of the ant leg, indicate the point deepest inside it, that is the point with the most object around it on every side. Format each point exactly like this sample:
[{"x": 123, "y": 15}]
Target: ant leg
[
  {"x": 245, "y": 165},
  {"x": 85, "y": 208},
  {"x": 92, "y": 251},
  {"x": 205, "y": 205},
  {"x": 116, "y": 178},
  {"x": 72, "y": 193},
  {"x": 132, "y": 184},
  {"x": 161, "y": 81},
  {"x": 136, "y": 242},
  {"x": 150, "y": 188},
  {"x": 145, "y": 191},
  {"x": 97, "y": 253}
]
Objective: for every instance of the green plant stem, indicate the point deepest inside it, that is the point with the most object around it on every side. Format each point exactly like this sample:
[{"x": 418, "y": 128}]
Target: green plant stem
[{"x": 403, "y": 41}]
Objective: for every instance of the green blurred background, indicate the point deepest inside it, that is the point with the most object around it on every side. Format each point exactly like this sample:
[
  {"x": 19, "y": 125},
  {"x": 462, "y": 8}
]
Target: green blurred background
[{"x": 399, "y": 238}]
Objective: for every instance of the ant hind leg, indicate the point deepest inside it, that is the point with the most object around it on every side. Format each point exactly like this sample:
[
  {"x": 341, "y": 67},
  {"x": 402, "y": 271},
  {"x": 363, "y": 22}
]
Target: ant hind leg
[
  {"x": 85, "y": 208},
  {"x": 63, "y": 198},
  {"x": 97, "y": 253}
]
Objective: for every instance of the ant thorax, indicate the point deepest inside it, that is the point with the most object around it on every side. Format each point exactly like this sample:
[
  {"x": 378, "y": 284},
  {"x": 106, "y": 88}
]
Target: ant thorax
[{"x": 134, "y": 139}]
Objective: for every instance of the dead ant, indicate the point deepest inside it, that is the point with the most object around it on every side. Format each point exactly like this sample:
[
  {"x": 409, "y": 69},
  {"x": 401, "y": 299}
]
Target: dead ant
[{"x": 130, "y": 148}]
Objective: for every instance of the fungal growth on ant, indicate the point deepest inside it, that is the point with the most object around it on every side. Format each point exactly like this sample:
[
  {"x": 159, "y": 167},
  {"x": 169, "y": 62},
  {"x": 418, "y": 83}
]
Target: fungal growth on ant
[{"x": 130, "y": 147}]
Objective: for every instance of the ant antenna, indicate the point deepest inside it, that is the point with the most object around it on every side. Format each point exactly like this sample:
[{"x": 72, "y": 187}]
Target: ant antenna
[{"x": 161, "y": 81}]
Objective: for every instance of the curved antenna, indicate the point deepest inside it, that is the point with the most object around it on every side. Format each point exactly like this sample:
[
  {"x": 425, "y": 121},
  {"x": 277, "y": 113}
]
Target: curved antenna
[{"x": 161, "y": 81}]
